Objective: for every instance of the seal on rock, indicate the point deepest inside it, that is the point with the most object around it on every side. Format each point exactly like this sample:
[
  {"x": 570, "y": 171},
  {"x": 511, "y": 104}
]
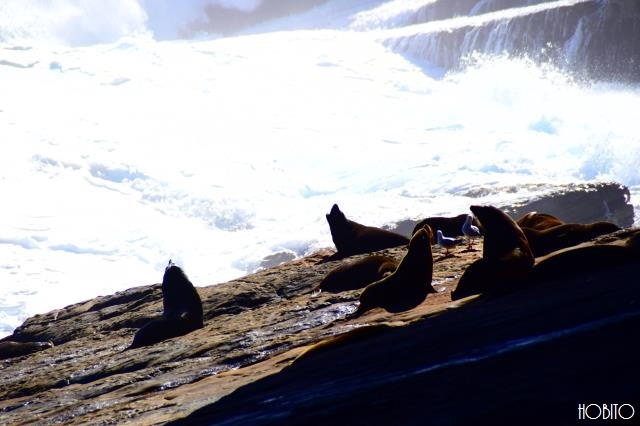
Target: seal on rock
[
  {"x": 539, "y": 221},
  {"x": 408, "y": 285},
  {"x": 356, "y": 274},
  {"x": 352, "y": 238},
  {"x": 506, "y": 256},
  {"x": 182, "y": 310},
  {"x": 503, "y": 238},
  {"x": 587, "y": 258},
  {"x": 450, "y": 226},
  {"x": 545, "y": 241},
  {"x": 581, "y": 260},
  {"x": 11, "y": 349}
]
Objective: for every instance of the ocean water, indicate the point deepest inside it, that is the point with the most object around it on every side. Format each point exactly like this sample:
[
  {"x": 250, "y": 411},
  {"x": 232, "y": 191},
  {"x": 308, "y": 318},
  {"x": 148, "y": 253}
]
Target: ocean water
[{"x": 130, "y": 137}]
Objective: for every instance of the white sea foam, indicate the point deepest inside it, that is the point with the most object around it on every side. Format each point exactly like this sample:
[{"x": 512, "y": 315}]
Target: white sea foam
[{"x": 216, "y": 153}]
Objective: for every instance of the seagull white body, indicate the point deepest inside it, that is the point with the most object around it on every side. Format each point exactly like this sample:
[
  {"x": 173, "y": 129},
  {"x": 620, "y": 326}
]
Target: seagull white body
[
  {"x": 446, "y": 242},
  {"x": 470, "y": 230}
]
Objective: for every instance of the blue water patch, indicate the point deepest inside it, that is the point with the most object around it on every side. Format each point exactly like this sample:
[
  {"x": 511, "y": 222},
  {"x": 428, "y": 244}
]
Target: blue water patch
[
  {"x": 598, "y": 163},
  {"x": 544, "y": 125},
  {"x": 51, "y": 162},
  {"x": 118, "y": 81},
  {"x": 492, "y": 168},
  {"x": 25, "y": 242},
  {"x": 117, "y": 175}
]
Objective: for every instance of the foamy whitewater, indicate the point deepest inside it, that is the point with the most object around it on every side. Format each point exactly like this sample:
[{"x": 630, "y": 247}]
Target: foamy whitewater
[{"x": 125, "y": 144}]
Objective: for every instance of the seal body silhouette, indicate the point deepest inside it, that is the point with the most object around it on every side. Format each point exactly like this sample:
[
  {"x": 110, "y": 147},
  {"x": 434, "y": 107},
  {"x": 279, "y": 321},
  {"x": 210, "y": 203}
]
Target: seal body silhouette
[
  {"x": 408, "y": 285},
  {"x": 588, "y": 258},
  {"x": 11, "y": 349},
  {"x": 450, "y": 226},
  {"x": 357, "y": 274},
  {"x": 539, "y": 221},
  {"x": 352, "y": 238},
  {"x": 182, "y": 311},
  {"x": 581, "y": 260},
  {"x": 503, "y": 238},
  {"x": 506, "y": 256},
  {"x": 565, "y": 235}
]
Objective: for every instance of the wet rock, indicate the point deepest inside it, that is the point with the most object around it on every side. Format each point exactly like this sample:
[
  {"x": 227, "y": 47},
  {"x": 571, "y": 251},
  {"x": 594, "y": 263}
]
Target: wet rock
[
  {"x": 276, "y": 259},
  {"x": 10, "y": 349},
  {"x": 572, "y": 203},
  {"x": 582, "y": 203},
  {"x": 588, "y": 37},
  {"x": 255, "y": 327}
]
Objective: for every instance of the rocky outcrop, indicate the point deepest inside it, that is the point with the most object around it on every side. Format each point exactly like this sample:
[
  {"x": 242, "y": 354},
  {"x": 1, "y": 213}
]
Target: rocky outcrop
[
  {"x": 590, "y": 37},
  {"x": 572, "y": 203},
  {"x": 520, "y": 359},
  {"x": 490, "y": 355},
  {"x": 226, "y": 18},
  {"x": 582, "y": 203}
]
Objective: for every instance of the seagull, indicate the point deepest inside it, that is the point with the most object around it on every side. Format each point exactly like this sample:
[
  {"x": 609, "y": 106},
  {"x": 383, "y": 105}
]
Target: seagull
[
  {"x": 447, "y": 242},
  {"x": 470, "y": 230}
]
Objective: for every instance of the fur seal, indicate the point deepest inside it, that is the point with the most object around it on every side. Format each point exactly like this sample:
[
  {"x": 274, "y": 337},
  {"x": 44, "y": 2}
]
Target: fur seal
[
  {"x": 356, "y": 274},
  {"x": 545, "y": 241},
  {"x": 10, "y": 349},
  {"x": 539, "y": 221},
  {"x": 451, "y": 226},
  {"x": 588, "y": 258},
  {"x": 506, "y": 256},
  {"x": 408, "y": 285},
  {"x": 581, "y": 260},
  {"x": 182, "y": 310},
  {"x": 352, "y": 238},
  {"x": 503, "y": 237}
]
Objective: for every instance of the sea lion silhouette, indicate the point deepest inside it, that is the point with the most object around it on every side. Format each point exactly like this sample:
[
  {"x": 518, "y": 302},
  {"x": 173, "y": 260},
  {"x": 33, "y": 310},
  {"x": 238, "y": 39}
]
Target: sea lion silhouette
[
  {"x": 352, "y": 238},
  {"x": 408, "y": 285},
  {"x": 506, "y": 256},
  {"x": 356, "y": 274},
  {"x": 565, "y": 235},
  {"x": 182, "y": 311}
]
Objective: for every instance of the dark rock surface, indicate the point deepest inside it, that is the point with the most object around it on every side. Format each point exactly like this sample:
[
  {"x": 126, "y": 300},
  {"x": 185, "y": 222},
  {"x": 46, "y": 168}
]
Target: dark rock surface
[
  {"x": 527, "y": 358},
  {"x": 573, "y": 203},
  {"x": 557, "y": 344},
  {"x": 589, "y": 37},
  {"x": 585, "y": 203}
]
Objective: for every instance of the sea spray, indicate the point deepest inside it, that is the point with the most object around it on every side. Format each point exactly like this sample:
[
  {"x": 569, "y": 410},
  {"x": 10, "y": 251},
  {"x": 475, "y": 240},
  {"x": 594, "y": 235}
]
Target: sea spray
[{"x": 221, "y": 152}]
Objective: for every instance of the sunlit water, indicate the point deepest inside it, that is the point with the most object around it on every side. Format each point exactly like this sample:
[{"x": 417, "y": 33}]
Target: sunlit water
[{"x": 124, "y": 148}]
